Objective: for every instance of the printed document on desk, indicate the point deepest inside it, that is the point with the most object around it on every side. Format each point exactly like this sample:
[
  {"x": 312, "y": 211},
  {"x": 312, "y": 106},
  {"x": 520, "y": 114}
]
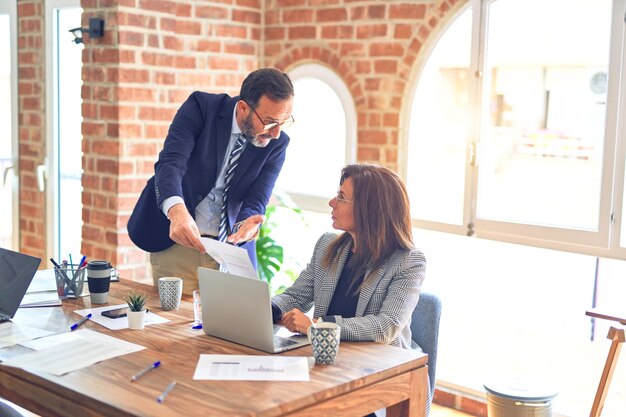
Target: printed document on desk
[
  {"x": 252, "y": 368},
  {"x": 12, "y": 334},
  {"x": 233, "y": 258},
  {"x": 80, "y": 349},
  {"x": 119, "y": 323}
]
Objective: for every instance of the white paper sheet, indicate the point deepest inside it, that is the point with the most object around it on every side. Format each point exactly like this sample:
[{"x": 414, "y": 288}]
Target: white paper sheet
[
  {"x": 233, "y": 258},
  {"x": 77, "y": 350},
  {"x": 41, "y": 299},
  {"x": 119, "y": 323},
  {"x": 57, "y": 339},
  {"x": 12, "y": 333},
  {"x": 252, "y": 368}
]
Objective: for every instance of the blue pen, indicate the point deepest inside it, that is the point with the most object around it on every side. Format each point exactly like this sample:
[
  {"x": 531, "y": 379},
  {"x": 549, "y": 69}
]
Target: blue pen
[
  {"x": 197, "y": 327},
  {"x": 84, "y": 319},
  {"x": 142, "y": 373}
]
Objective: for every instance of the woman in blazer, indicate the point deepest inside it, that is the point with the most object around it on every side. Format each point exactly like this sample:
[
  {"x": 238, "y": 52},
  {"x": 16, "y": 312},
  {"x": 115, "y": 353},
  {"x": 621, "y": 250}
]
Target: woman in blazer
[{"x": 368, "y": 278}]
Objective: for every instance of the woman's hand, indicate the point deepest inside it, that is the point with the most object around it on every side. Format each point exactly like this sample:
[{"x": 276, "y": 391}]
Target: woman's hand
[{"x": 296, "y": 321}]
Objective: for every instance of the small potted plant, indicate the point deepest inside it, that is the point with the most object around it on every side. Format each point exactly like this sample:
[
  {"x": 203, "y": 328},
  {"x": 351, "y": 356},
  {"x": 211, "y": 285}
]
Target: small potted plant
[{"x": 136, "y": 309}]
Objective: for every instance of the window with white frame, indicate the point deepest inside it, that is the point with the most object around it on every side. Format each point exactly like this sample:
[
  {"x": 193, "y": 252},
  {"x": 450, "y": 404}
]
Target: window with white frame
[
  {"x": 322, "y": 139},
  {"x": 516, "y": 136},
  {"x": 322, "y": 142},
  {"x": 516, "y": 125}
]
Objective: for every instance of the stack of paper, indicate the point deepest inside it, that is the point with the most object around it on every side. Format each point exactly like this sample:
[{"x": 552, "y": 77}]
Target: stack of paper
[{"x": 42, "y": 291}]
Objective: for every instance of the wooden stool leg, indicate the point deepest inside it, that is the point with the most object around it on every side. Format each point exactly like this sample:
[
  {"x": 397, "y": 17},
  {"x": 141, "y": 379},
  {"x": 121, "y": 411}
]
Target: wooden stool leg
[{"x": 617, "y": 337}]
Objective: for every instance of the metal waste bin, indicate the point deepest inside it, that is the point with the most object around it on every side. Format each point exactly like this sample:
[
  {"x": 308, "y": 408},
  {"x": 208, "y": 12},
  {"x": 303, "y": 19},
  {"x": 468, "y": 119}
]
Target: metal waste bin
[{"x": 519, "y": 398}]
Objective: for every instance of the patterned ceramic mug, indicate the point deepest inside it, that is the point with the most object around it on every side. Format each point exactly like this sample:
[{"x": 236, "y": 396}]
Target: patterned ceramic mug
[
  {"x": 170, "y": 292},
  {"x": 324, "y": 338}
]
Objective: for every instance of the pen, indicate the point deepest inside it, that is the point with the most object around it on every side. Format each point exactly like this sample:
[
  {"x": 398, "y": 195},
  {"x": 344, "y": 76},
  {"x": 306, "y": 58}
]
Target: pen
[
  {"x": 197, "y": 327},
  {"x": 84, "y": 319},
  {"x": 143, "y": 372},
  {"x": 170, "y": 387},
  {"x": 68, "y": 282}
]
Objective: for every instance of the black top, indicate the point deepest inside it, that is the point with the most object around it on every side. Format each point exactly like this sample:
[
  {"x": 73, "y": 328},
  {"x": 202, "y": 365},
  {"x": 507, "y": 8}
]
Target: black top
[
  {"x": 346, "y": 295},
  {"x": 345, "y": 298}
]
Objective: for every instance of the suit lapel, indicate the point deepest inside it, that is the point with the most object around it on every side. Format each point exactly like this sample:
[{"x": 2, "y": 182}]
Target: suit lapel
[
  {"x": 224, "y": 126},
  {"x": 368, "y": 287}
]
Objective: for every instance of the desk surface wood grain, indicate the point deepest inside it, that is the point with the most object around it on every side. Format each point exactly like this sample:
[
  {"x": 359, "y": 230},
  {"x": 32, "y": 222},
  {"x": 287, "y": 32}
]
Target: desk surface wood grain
[{"x": 365, "y": 377}]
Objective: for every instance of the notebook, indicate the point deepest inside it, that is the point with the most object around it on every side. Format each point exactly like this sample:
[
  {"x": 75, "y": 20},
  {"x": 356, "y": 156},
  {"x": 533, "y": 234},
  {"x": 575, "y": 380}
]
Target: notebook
[
  {"x": 16, "y": 272},
  {"x": 238, "y": 309}
]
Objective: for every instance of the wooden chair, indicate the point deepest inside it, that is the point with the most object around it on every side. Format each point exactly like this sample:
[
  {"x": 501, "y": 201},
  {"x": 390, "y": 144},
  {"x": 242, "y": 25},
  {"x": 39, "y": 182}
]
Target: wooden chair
[
  {"x": 616, "y": 335},
  {"x": 617, "y": 338}
]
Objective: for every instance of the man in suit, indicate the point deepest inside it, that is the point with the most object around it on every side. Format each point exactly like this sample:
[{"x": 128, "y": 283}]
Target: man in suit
[{"x": 214, "y": 176}]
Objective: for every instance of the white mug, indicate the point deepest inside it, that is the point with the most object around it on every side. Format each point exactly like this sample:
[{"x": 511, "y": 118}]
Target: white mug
[{"x": 170, "y": 292}]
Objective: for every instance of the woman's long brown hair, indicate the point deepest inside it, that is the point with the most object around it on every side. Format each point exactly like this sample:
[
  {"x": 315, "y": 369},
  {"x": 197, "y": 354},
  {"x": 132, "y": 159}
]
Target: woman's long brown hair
[{"x": 382, "y": 217}]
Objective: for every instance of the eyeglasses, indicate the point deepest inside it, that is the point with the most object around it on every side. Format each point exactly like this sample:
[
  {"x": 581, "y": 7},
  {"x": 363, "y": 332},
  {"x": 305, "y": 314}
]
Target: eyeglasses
[
  {"x": 339, "y": 198},
  {"x": 269, "y": 126}
]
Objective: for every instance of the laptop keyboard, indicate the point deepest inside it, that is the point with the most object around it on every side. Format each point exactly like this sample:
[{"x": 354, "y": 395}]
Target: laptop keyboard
[{"x": 281, "y": 342}]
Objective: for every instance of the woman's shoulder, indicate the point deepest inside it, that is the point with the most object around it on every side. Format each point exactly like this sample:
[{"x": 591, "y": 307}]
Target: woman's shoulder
[
  {"x": 325, "y": 240},
  {"x": 409, "y": 257}
]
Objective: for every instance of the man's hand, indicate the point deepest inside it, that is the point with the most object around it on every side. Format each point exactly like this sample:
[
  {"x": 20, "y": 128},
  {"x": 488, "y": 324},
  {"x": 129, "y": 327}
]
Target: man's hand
[
  {"x": 183, "y": 229},
  {"x": 296, "y": 321},
  {"x": 248, "y": 230}
]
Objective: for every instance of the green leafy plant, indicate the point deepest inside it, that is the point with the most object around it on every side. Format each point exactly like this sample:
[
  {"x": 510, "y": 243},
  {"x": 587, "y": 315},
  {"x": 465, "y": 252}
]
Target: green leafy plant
[
  {"x": 270, "y": 254},
  {"x": 136, "y": 301}
]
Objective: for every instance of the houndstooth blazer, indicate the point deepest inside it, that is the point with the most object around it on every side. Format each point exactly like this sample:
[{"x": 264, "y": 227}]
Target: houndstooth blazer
[{"x": 386, "y": 300}]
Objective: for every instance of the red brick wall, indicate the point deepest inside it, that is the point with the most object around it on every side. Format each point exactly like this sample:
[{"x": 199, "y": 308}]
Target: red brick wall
[
  {"x": 372, "y": 45},
  {"x": 31, "y": 121},
  {"x": 154, "y": 54}
]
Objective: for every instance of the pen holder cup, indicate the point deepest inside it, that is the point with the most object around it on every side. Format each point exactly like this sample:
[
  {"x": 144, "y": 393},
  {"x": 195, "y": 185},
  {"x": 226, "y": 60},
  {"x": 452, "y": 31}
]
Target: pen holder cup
[{"x": 70, "y": 281}]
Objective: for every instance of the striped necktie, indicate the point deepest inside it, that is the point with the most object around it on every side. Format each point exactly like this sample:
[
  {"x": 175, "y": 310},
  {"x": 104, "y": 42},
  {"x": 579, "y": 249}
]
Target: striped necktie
[{"x": 233, "y": 161}]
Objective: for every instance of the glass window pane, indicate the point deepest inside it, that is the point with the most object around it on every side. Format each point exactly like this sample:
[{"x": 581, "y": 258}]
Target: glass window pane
[
  {"x": 438, "y": 128},
  {"x": 69, "y": 136},
  {"x": 319, "y": 134},
  {"x": 544, "y": 104},
  {"x": 6, "y": 190}
]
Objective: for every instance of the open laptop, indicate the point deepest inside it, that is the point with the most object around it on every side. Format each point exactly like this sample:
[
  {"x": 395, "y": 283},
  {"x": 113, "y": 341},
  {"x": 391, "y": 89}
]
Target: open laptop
[
  {"x": 16, "y": 272},
  {"x": 238, "y": 309}
]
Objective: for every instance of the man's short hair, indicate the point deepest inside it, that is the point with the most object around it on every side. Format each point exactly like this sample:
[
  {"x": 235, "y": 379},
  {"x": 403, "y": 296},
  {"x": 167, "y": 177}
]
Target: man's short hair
[{"x": 270, "y": 82}]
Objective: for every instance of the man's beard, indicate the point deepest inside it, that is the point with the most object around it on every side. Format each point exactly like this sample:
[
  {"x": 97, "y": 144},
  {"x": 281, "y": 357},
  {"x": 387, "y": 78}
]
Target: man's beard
[{"x": 260, "y": 141}]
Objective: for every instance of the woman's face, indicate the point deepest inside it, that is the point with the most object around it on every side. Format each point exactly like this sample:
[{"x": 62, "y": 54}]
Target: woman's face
[{"x": 343, "y": 206}]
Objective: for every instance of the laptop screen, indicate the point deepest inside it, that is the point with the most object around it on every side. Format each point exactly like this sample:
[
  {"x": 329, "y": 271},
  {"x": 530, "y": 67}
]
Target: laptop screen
[{"x": 16, "y": 272}]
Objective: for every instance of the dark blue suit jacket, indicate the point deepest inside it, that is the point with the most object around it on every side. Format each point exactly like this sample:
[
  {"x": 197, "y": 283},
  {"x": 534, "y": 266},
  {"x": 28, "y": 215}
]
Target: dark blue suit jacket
[{"x": 189, "y": 164}]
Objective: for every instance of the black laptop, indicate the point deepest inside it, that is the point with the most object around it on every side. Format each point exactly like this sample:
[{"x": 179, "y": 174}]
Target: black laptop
[{"x": 16, "y": 272}]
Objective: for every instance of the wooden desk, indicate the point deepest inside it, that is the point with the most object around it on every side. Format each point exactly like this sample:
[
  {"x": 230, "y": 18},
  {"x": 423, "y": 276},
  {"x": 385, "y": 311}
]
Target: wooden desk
[
  {"x": 365, "y": 377},
  {"x": 617, "y": 337}
]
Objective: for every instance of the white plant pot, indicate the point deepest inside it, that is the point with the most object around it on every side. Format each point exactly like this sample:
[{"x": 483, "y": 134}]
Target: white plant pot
[{"x": 136, "y": 319}]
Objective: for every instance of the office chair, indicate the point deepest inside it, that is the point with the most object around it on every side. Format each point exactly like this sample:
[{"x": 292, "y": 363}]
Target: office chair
[
  {"x": 7, "y": 411},
  {"x": 425, "y": 332}
]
